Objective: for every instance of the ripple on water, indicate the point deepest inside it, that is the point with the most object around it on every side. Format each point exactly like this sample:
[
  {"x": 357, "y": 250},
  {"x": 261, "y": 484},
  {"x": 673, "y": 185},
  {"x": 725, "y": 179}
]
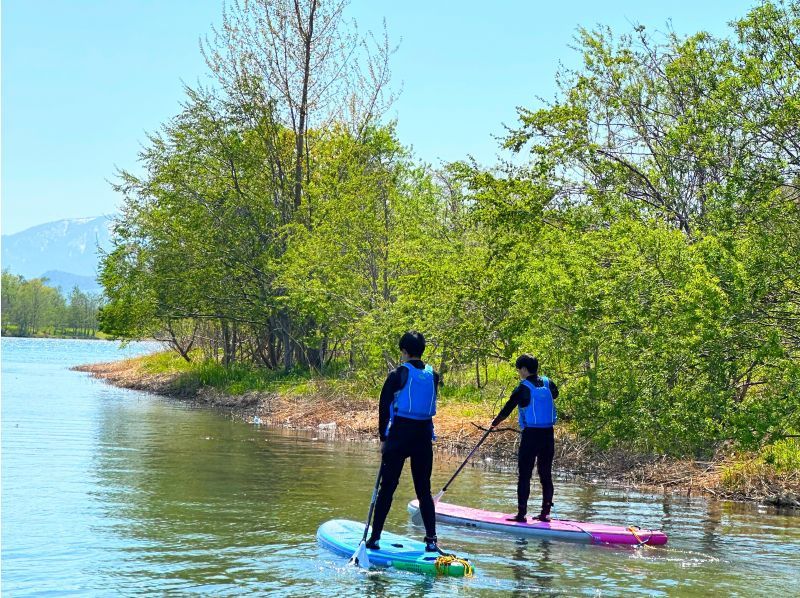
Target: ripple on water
[{"x": 107, "y": 490}]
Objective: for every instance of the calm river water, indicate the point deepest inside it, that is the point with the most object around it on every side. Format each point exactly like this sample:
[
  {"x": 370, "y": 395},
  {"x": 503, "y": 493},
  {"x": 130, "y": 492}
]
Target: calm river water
[{"x": 116, "y": 492}]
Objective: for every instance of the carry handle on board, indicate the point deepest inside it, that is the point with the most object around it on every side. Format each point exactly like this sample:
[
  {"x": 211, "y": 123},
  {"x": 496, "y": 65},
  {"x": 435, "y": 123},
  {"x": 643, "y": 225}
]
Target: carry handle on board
[{"x": 360, "y": 557}]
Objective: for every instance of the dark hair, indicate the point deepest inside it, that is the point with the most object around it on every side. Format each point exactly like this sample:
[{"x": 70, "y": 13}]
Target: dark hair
[
  {"x": 413, "y": 342},
  {"x": 529, "y": 362}
]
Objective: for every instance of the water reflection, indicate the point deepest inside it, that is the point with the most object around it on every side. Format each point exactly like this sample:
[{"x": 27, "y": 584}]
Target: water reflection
[
  {"x": 532, "y": 563},
  {"x": 711, "y": 522},
  {"x": 584, "y": 503},
  {"x": 110, "y": 491}
]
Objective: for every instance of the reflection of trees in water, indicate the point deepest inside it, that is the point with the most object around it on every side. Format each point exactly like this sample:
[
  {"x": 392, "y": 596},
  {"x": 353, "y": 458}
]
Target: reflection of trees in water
[
  {"x": 711, "y": 527},
  {"x": 383, "y": 585},
  {"x": 533, "y": 565},
  {"x": 585, "y": 499},
  {"x": 666, "y": 507},
  {"x": 708, "y": 513},
  {"x": 194, "y": 493}
]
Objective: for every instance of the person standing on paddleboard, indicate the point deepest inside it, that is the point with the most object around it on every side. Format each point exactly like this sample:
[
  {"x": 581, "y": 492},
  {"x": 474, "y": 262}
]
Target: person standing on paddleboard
[
  {"x": 535, "y": 399},
  {"x": 405, "y": 425}
]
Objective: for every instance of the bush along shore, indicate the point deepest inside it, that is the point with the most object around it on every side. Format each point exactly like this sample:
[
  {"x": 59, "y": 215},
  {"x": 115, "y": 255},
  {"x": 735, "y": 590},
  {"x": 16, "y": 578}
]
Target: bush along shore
[
  {"x": 344, "y": 408},
  {"x": 640, "y": 233}
]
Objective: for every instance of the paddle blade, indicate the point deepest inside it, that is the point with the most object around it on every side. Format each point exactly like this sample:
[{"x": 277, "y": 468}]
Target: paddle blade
[
  {"x": 438, "y": 497},
  {"x": 416, "y": 516},
  {"x": 360, "y": 558}
]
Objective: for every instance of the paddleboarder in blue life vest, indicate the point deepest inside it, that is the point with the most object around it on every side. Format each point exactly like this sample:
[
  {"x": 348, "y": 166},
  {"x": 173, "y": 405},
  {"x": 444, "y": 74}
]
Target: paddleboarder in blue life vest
[
  {"x": 534, "y": 398},
  {"x": 405, "y": 425}
]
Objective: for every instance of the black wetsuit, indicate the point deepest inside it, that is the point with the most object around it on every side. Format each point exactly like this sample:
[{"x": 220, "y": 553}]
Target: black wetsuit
[
  {"x": 536, "y": 447},
  {"x": 407, "y": 438}
]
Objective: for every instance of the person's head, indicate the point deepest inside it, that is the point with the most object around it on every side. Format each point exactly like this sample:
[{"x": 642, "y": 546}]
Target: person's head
[
  {"x": 527, "y": 365},
  {"x": 412, "y": 345}
]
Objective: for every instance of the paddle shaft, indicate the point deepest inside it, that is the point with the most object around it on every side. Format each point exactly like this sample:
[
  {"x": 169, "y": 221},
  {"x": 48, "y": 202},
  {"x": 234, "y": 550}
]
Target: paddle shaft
[
  {"x": 372, "y": 502},
  {"x": 472, "y": 452}
]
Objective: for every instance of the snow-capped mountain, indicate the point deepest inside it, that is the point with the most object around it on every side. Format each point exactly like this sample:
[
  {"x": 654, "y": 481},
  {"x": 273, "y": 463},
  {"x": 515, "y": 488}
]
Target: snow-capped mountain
[{"x": 68, "y": 246}]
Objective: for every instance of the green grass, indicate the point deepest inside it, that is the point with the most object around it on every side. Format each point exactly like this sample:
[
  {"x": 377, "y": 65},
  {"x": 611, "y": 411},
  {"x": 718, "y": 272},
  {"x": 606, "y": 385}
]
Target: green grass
[
  {"x": 236, "y": 379},
  {"x": 783, "y": 456},
  {"x": 459, "y": 390},
  {"x": 738, "y": 475},
  {"x": 167, "y": 362}
]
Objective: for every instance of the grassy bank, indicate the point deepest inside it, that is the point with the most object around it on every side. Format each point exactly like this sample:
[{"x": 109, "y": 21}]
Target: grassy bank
[{"x": 345, "y": 406}]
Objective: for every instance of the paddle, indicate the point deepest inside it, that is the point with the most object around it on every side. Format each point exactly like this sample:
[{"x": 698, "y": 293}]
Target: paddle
[
  {"x": 417, "y": 517},
  {"x": 472, "y": 452},
  {"x": 360, "y": 557}
]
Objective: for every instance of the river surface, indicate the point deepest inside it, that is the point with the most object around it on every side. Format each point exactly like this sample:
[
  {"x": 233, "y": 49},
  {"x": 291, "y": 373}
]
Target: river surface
[{"x": 115, "y": 492}]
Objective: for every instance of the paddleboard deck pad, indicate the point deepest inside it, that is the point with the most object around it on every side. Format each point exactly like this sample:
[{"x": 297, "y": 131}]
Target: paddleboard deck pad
[
  {"x": 557, "y": 529},
  {"x": 343, "y": 537}
]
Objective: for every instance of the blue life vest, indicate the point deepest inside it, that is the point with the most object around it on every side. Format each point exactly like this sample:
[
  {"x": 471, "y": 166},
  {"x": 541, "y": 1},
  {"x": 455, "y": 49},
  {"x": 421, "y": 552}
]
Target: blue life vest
[
  {"x": 417, "y": 399},
  {"x": 541, "y": 411}
]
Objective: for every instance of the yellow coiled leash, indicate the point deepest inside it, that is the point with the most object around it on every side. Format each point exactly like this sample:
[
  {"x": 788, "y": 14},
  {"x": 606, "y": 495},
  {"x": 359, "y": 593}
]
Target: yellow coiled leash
[{"x": 447, "y": 560}]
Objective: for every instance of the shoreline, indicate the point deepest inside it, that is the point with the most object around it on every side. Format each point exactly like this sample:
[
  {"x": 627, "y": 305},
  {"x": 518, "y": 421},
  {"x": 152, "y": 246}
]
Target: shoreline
[
  {"x": 324, "y": 409},
  {"x": 60, "y": 337}
]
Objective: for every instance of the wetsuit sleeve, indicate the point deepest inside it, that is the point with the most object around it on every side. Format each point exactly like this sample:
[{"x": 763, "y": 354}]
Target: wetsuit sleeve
[
  {"x": 553, "y": 389},
  {"x": 391, "y": 385},
  {"x": 519, "y": 398}
]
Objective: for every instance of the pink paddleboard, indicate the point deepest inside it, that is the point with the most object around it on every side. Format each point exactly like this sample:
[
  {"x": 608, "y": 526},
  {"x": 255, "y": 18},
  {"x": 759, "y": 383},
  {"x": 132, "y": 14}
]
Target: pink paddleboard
[{"x": 557, "y": 529}]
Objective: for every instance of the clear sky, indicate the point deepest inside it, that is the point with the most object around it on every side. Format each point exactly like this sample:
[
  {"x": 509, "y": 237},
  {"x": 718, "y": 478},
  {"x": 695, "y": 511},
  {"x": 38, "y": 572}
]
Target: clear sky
[{"x": 84, "y": 80}]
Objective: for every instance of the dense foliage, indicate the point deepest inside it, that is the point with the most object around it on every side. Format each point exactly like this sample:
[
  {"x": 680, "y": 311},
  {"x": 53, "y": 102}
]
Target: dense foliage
[
  {"x": 644, "y": 240},
  {"x": 31, "y": 308}
]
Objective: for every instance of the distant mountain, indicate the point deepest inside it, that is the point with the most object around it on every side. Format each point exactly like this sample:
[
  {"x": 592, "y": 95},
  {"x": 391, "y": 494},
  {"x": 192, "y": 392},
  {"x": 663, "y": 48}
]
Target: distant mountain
[
  {"x": 67, "y": 246},
  {"x": 67, "y": 281}
]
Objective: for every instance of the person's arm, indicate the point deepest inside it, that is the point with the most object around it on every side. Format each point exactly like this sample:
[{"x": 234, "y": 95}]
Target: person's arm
[
  {"x": 391, "y": 385},
  {"x": 517, "y": 398},
  {"x": 385, "y": 404},
  {"x": 553, "y": 389}
]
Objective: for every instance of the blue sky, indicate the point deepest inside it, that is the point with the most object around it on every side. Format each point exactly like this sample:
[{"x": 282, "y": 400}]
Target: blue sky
[{"x": 84, "y": 80}]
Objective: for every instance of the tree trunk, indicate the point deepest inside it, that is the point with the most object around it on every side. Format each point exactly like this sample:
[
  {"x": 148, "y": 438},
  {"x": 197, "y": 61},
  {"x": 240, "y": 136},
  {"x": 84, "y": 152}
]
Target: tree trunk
[
  {"x": 288, "y": 345},
  {"x": 225, "y": 342},
  {"x": 301, "y": 125}
]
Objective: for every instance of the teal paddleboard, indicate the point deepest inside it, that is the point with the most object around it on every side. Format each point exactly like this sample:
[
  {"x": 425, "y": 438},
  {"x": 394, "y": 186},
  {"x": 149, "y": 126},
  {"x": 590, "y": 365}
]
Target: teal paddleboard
[{"x": 343, "y": 538}]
